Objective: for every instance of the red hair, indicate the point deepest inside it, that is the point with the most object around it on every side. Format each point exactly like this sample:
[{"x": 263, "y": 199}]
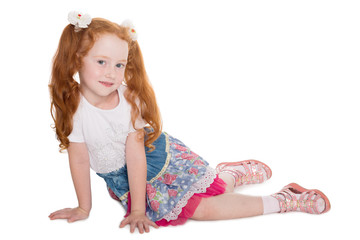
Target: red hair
[{"x": 65, "y": 91}]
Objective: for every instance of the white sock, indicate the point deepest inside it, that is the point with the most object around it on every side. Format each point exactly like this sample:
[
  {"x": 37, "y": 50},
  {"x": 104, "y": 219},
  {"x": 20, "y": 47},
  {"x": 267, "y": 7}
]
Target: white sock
[{"x": 271, "y": 205}]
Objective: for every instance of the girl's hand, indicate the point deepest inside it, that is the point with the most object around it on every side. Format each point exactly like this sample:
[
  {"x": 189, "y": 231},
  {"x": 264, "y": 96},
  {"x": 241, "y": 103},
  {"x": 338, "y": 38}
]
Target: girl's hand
[
  {"x": 138, "y": 220},
  {"x": 71, "y": 214}
]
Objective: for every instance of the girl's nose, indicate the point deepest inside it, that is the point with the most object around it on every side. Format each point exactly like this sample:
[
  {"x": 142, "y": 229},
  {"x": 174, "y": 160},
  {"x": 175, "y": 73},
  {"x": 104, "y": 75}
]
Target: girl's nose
[{"x": 110, "y": 72}]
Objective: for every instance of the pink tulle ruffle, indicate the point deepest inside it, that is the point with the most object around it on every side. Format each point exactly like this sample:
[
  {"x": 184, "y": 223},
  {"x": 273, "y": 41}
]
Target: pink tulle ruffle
[{"x": 216, "y": 188}]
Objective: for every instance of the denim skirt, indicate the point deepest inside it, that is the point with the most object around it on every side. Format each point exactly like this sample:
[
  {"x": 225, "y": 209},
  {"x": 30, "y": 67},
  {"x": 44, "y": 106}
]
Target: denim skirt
[{"x": 177, "y": 179}]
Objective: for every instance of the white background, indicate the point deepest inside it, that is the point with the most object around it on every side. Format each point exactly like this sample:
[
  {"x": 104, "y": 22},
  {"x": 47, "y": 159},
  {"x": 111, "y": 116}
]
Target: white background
[{"x": 276, "y": 81}]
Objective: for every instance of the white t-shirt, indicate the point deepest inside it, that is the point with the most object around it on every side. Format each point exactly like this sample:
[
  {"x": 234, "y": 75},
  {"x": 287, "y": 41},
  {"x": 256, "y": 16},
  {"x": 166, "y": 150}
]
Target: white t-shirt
[{"x": 104, "y": 132}]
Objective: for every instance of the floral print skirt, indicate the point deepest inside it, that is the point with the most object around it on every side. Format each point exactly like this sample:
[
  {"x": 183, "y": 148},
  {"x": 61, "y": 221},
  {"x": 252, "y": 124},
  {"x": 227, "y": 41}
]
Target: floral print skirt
[{"x": 177, "y": 180}]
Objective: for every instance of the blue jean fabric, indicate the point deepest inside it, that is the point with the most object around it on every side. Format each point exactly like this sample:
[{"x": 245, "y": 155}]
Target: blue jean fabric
[{"x": 171, "y": 169}]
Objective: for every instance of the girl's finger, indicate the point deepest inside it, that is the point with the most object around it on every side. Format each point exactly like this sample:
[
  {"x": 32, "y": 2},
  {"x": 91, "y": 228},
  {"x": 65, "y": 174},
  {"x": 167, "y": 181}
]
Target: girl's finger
[
  {"x": 147, "y": 229},
  {"x": 54, "y": 216},
  {"x": 151, "y": 223},
  {"x": 124, "y": 223},
  {"x": 132, "y": 227},
  {"x": 140, "y": 227},
  {"x": 60, "y": 216},
  {"x": 58, "y": 211}
]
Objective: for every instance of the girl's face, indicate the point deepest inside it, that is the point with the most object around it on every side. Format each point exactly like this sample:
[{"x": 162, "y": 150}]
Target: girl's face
[{"x": 103, "y": 69}]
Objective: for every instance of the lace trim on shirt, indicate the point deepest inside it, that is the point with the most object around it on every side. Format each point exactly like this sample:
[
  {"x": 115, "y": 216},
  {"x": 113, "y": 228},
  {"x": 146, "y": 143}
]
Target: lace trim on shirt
[
  {"x": 198, "y": 187},
  {"x": 108, "y": 152}
]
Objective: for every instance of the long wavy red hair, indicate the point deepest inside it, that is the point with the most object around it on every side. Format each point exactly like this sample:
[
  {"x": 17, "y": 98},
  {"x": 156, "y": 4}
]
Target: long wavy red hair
[{"x": 65, "y": 91}]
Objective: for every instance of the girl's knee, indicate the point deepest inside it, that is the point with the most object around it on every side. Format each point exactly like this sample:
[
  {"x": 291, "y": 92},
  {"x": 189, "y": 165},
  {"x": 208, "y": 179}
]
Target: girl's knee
[
  {"x": 229, "y": 188},
  {"x": 229, "y": 180}
]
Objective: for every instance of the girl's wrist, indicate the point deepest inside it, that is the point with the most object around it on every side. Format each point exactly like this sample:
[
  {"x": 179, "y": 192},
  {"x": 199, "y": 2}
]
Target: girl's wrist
[
  {"x": 138, "y": 210},
  {"x": 85, "y": 210},
  {"x": 85, "y": 205}
]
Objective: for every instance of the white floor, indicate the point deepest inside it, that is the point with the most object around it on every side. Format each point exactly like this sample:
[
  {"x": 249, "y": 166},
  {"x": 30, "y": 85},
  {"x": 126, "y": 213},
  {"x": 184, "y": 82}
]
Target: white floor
[{"x": 276, "y": 81}]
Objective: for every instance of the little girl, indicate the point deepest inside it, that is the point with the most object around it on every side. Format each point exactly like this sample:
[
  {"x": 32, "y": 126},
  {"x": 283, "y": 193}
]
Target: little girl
[{"x": 110, "y": 122}]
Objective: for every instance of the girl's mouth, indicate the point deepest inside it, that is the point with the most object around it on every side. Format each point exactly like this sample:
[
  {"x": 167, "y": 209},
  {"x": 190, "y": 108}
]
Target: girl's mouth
[{"x": 106, "y": 84}]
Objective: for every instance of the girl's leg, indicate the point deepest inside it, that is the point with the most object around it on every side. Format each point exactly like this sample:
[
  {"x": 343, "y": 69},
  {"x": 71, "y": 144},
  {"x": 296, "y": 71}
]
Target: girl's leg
[
  {"x": 229, "y": 180},
  {"x": 228, "y": 206},
  {"x": 291, "y": 198}
]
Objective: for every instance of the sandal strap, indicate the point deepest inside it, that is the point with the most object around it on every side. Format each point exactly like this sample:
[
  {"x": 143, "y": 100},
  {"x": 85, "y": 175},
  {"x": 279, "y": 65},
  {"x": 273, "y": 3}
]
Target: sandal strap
[
  {"x": 282, "y": 202},
  {"x": 256, "y": 172},
  {"x": 253, "y": 173},
  {"x": 306, "y": 203},
  {"x": 238, "y": 176},
  {"x": 241, "y": 178},
  {"x": 249, "y": 172}
]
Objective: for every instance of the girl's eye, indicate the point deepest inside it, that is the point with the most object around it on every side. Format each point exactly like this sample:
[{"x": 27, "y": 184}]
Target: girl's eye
[
  {"x": 120, "y": 65},
  {"x": 101, "y": 62}
]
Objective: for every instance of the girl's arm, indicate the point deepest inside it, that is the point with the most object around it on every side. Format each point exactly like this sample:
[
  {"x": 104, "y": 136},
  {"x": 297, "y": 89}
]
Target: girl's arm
[
  {"x": 137, "y": 171},
  {"x": 80, "y": 172}
]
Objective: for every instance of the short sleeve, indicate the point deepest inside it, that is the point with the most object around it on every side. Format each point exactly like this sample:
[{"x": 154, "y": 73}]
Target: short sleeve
[
  {"x": 77, "y": 134},
  {"x": 139, "y": 124}
]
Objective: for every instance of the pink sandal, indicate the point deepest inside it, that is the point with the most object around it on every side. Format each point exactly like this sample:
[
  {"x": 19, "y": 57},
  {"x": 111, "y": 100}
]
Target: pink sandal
[
  {"x": 308, "y": 201},
  {"x": 254, "y": 174}
]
